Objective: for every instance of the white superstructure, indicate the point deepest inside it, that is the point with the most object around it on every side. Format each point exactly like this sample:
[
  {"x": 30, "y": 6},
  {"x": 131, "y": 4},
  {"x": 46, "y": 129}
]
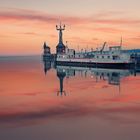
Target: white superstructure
[{"x": 113, "y": 55}]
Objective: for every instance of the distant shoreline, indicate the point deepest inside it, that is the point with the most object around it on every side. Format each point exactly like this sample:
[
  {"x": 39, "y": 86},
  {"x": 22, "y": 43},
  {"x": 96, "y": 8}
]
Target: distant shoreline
[{"x": 5, "y": 56}]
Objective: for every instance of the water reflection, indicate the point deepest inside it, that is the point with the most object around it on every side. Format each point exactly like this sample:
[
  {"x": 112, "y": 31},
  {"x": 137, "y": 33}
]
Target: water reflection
[
  {"x": 47, "y": 66},
  {"x": 112, "y": 76},
  {"x": 61, "y": 74},
  {"x": 94, "y": 104}
]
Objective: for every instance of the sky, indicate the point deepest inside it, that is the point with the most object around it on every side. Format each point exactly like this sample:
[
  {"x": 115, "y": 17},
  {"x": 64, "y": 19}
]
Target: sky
[{"x": 25, "y": 25}]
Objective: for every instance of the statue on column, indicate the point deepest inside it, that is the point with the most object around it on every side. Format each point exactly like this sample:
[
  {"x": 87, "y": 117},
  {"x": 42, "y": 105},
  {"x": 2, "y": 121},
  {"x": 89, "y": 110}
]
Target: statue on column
[{"x": 60, "y": 48}]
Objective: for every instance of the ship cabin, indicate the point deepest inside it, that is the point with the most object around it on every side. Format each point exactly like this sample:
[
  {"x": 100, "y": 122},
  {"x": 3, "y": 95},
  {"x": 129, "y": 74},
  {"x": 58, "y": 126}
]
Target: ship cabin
[
  {"x": 70, "y": 53},
  {"x": 113, "y": 54}
]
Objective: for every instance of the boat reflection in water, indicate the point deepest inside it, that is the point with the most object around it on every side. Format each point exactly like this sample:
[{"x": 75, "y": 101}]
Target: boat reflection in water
[
  {"x": 112, "y": 76},
  {"x": 61, "y": 74}
]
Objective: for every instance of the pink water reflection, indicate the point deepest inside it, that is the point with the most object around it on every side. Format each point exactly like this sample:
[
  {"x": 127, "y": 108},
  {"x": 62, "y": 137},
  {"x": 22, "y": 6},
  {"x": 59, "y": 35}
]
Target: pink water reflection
[{"x": 28, "y": 97}]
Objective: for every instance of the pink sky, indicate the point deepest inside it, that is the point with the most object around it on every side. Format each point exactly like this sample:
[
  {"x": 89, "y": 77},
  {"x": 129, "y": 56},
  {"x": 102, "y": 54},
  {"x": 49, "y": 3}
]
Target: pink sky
[{"x": 24, "y": 27}]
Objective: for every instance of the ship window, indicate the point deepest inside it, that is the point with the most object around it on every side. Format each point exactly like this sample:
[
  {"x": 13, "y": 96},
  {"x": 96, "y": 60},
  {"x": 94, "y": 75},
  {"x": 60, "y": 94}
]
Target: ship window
[
  {"x": 108, "y": 57},
  {"x": 97, "y": 56},
  {"x": 102, "y": 56},
  {"x": 115, "y": 57}
]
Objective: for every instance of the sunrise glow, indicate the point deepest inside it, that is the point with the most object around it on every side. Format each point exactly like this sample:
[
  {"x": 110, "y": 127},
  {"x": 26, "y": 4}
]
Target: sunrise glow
[{"x": 24, "y": 26}]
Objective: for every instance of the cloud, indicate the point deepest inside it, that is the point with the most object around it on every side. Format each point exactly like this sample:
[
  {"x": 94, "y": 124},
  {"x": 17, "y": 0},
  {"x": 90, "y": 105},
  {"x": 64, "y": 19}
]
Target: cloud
[
  {"x": 21, "y": 14},
  {"x": 5, "y": 36},
  {"x": 30, "y": 15},
  {"x": 116, "y": 21},
  {"x": 103, "y": 13},
  {"x": 66, "y": 111},
  {"x": 82, "y": 40},
  {"x": 29, "y": 33},
  {"x": 109, "y": 29},
  {"x": 137, "y": 38}
]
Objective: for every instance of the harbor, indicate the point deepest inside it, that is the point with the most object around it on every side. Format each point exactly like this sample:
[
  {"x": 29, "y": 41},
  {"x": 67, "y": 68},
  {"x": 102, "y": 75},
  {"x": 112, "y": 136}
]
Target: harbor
[{"x": 112, "y": 57}]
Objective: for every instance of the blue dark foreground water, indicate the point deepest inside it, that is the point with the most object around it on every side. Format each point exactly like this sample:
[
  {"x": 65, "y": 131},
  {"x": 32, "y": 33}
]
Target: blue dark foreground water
[{"x": 41, "y": 101}]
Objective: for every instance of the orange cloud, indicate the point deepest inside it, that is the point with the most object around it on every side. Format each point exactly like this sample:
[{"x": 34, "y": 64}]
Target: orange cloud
[
  {"x": 22, "y": 14},
  {"x": 28, "y": 33},
  {"x": 137, "y": 38}
]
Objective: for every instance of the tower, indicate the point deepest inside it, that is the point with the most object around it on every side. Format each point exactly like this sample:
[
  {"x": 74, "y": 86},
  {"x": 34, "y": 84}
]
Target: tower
[{"x": 60, "y": 48}]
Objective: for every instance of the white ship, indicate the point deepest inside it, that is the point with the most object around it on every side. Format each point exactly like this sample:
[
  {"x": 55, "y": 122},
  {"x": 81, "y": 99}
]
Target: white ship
[{"x": 112, "y": 58}]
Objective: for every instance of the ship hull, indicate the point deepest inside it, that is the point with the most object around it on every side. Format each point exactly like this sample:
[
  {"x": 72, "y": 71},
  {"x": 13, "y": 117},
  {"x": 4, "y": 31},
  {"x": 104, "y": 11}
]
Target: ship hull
[{"x": 97, "y": 65}]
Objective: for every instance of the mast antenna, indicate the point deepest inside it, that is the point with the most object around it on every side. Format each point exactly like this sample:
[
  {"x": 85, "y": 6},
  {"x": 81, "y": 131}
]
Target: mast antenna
[{"x": 121, "y": 42}]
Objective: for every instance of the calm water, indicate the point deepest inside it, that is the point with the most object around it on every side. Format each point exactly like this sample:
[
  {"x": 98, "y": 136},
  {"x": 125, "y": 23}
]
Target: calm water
[{"x": 41, "y": 102}]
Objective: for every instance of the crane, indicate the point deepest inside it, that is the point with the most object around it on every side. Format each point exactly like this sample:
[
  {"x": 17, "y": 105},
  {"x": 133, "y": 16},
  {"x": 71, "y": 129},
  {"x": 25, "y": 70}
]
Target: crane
[{"x": 103, "y": 47}]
